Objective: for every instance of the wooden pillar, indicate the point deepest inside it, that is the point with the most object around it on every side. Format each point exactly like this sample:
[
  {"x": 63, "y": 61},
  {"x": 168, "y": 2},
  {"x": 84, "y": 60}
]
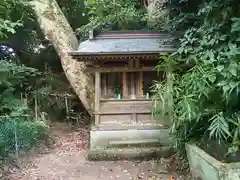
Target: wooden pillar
[
  {"x": 97, "y": 97},
  {"x": 138, "y": 80},
  {"x": 124, "y": 83},
  {"x": 105, "y": 84},
  {"x": 137, "y": 63},
  {"x": 132, "y": 84},
  {"x": 141, "y": 83},
  {"x": 130, "y": 63}
]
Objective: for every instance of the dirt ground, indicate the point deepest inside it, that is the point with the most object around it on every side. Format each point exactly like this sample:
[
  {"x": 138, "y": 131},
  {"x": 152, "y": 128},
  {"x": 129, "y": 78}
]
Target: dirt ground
[{"x": 66, "y": 160}]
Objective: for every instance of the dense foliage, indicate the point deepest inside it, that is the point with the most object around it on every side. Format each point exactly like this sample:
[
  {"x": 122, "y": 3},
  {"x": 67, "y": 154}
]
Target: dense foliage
[
  {"x": 20, "y": 85},
  {"x": 115, "y": 15},
  {"x": 40, "y": 76},
  {"x": 75, "y": 11},
  {"x": 206, "y": 95},
  {"x": 36, "y": 52},
  {"x": 17, "y": 131},
  {"x": 12, "y": 15}
]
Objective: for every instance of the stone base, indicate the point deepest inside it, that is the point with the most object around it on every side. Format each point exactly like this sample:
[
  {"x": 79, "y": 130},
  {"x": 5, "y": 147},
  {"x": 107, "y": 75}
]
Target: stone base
[
  {"x": 129, "y": 153},
  {"x": 119, "y": 144},
  {"x": 205, "y": 167}
]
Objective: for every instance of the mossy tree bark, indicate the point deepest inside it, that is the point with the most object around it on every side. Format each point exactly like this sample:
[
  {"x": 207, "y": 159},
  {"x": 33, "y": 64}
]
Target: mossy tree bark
[
  {"x": 157, "y": 13},
  {"x": 58, "y": 30}
]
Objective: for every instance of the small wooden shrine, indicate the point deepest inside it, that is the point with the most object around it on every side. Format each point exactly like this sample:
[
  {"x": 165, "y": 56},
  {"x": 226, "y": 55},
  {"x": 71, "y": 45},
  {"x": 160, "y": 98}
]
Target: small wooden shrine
[{"x": 123, "y": 64}]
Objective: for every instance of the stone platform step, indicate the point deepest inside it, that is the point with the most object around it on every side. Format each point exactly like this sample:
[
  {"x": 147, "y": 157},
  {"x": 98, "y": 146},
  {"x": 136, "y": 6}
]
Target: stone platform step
[
  {"x": 135, "y": 143},
  {"x": 101, "y": 139},
  {"x": 129, "y": 144},
  {"x": 129, "y": 153}
]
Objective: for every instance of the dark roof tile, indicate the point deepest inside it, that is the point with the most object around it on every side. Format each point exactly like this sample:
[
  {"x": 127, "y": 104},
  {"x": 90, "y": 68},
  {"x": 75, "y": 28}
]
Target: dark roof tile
[{"x": 126, "y": 42}]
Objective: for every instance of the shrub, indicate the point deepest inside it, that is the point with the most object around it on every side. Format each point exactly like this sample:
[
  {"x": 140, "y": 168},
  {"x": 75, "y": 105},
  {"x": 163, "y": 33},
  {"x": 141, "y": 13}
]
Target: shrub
[
  {"x": 206, "y": 94},
  {"x": 17, "y": 132}
]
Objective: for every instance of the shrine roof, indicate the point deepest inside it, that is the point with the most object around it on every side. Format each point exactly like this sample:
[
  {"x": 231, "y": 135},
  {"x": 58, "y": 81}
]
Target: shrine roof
[{"x": 128, "y": 42}]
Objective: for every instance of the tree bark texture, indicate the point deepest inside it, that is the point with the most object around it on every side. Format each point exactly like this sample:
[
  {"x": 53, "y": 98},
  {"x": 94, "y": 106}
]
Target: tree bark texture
[
  {"x": 58, "y": 30},
  {"x": 157, "y": 13}
]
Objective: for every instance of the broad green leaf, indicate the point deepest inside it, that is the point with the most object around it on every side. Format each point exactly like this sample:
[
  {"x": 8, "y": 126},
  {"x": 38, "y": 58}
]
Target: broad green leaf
[
  {"x": 220, "y": 68},
  {"x": 212, "y": 78}
]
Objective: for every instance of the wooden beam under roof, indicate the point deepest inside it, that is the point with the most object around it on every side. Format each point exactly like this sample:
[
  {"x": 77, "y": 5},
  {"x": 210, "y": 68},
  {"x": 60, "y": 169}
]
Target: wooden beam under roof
[
  {"x": 116, "y": 57},
  {"x": 119, "y": 69}
]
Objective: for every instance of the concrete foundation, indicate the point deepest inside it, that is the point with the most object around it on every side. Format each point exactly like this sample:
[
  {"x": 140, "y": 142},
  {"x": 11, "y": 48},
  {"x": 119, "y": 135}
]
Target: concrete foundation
[
  {"x": 205, "y": 167},
  {"x": 118, "y": 144}
]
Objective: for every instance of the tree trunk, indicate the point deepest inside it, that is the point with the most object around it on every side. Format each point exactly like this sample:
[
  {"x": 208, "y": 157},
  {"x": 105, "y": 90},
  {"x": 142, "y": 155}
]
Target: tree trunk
[
  {"x": 58, "y": 30},
  {"x": 157, "y": 13}
]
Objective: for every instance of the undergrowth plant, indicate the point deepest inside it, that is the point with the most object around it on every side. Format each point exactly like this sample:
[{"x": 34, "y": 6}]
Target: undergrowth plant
[
  {"x": 18, "y": 131},
  {"x": 205, "y": 91}
]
